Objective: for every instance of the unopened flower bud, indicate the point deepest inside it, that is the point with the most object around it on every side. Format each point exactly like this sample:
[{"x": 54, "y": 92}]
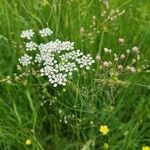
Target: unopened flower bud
[
  {"x": 120, "y": 67},
  {"x": 98, "y": 57},
  {"x": 121, "y": 41},
  {"x": 128, "y": 68},
  {"x": 106, "y": 64},
  {"x": 132, "y": 69},
  {"x": 106, "y": 50},
  {"x": 128, "y": 51},
  {"x": 138, "y": 57},
  {"x": 133, "y": 61},
  {"x": 135, "y": 50},
  {"x": 122, "y": 56},
  {"x": 116, "y": 59}
]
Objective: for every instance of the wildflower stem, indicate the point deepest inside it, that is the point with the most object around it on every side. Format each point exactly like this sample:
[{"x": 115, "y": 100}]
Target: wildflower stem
[
  {"x": 16, "y": 112},
  {"x": 30, "y": 101},
  {"x": 101, "y": 42}
]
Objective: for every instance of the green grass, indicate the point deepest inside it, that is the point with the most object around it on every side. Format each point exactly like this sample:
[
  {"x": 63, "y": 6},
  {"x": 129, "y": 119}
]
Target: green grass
[{"x": 126, "y": 110}]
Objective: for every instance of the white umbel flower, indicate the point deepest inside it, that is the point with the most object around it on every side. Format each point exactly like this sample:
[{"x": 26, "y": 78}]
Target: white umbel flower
[
  {"x": 85, "y": 61},
  {"x": 25, "y": 60},
  {"x": 56, "y": 46},
  {"x": 57, "y": 60},
  {"x": 31, "y": 46},
  {"x": 45, "y": 32},
  {"x": 28, "y": 34}
]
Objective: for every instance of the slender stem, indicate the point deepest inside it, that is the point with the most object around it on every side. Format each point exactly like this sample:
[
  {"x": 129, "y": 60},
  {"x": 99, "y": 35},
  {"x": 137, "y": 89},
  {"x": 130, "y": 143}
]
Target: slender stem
[{"x": 101, "y": 42}]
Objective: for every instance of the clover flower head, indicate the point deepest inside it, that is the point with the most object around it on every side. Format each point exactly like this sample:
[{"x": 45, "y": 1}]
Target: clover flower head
[
  {"x": 45, "y": 32},
  {"x": 28, "y": 34}
]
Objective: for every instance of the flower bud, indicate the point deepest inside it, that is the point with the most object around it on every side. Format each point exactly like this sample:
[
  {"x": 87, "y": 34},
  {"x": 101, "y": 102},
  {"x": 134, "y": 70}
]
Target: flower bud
[
  {"x": 121, "y": 41},
  {"x": 135, "y": 50}
]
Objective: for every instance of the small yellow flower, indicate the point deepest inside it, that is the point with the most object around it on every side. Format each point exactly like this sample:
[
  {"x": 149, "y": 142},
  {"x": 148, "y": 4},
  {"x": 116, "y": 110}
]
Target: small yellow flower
[
  {"x": 28, "y": 142},
  {"x": 145, "y": 148},
  {"x": 104, "y": 129}
]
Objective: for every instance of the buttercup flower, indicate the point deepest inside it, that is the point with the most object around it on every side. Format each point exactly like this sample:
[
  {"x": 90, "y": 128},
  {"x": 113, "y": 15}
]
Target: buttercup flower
[
  {"x": 145, "y": 148},
  {"x": 104, "y": 129},
  {"x": 28, "y": 142}
]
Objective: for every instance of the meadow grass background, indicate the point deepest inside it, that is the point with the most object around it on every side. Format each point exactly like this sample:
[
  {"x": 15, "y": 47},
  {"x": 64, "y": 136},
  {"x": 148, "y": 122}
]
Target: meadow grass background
[{"x": 127, "y": 112}]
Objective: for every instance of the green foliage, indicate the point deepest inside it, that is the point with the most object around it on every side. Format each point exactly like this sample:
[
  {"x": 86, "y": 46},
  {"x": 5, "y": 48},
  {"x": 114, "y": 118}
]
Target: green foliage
[{"x": 69, "y": 118}]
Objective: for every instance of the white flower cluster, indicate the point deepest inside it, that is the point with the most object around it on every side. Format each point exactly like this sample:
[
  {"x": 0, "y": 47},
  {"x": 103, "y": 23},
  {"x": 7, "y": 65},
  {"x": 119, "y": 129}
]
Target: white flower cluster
[
  {"x": 25, "y": 60},
  {"x": 46, "y": 32},
  {"x": 55, "y": 59},
  {"x": 56, "y": 46},
  {"x": 28, "y": 34},
  {"x": 85, "y": 61},
  {"x": 31, "y": 46}
]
